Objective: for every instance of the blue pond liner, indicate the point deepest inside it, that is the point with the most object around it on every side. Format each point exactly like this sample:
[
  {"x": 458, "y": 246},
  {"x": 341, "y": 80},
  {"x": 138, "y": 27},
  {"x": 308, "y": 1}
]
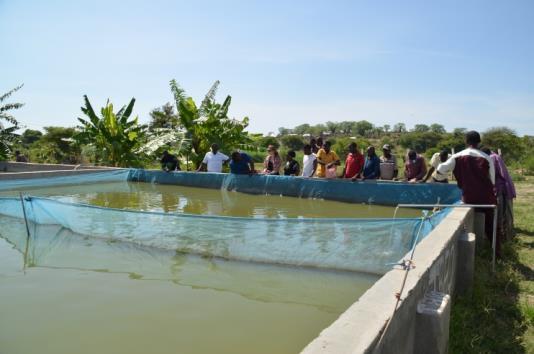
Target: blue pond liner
[
  {"x": 370, "y": 192},
  {"x": 366, "y": 245}
]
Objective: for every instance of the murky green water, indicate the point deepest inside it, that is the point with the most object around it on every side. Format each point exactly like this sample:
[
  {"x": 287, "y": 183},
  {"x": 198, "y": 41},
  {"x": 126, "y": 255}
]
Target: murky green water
[
  {"x": 85, "y": 295},
  {"x": 177, "y": 199}
]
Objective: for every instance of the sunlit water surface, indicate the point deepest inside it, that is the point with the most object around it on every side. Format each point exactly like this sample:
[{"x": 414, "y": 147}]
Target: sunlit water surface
[{"x": 68, "y": 293}]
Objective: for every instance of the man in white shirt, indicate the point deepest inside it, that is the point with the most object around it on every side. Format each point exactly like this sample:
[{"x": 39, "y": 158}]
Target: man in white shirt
[
  {"x": 309, "y": 162},
  {"x": 437, "y": 158},
  {"x": 213, "y": 160}
]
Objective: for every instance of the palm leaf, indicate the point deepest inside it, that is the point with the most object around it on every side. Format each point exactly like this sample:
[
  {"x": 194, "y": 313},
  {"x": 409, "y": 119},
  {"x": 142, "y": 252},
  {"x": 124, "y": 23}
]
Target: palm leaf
[
  {"x": 9, "y": 93},
  {"x": 209, "y": 98},
  {"x": 177, "y": 91},
  {"x": 9, "y": 118},
  {"x": 226, "y": 105},
  {"x": 9, "y": 106},
  {"x": 124, "y": 115}
]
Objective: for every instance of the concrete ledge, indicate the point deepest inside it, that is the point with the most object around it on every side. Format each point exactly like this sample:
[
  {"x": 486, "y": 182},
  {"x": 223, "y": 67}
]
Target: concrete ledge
[
  {"x": 358, "y": 330},
  {"x": 10, "y": 166},
  {"x": 466, "y": 262},
  {"x": 48, "y": 174}
]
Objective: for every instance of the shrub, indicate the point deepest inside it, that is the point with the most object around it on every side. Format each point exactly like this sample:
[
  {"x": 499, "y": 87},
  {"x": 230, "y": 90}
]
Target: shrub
[
  {"x": 269, "y": 140},
  {"x": 293, "y": 142},
  {"x": 503, "y": 138}
]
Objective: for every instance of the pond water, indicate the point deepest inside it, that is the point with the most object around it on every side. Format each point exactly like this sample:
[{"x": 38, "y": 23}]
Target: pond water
[
  {"x": 178, "y": 199},
  {"x": 63, "y": 292}
]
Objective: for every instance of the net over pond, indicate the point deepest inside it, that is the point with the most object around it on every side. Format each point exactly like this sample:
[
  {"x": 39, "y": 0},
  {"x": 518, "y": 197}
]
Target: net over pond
[{"x": 342, "y": 243}]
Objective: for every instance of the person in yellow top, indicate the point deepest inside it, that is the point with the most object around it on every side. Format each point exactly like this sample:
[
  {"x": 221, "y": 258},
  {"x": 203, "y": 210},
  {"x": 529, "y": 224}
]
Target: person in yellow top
[{"x": 326, "y": 160}]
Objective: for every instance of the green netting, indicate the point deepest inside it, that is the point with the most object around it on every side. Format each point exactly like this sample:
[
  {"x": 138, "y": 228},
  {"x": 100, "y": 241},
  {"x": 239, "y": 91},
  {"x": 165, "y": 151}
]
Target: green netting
[
  {"x": 59, "y": 248},
  {"x": 85, "y": 177},
  {"x": 367, "y": 245}
]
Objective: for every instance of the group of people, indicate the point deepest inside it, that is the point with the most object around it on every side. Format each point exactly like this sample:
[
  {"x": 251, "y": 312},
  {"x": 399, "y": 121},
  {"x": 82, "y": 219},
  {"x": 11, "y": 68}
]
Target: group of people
[
  {"x": 481, "y": 174},
  {"x": 321, "y": 161}
]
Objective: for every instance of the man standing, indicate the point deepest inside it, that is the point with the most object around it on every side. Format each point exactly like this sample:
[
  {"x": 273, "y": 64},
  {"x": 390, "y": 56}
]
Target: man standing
[
  {"x": 353, "y": 163},
  {"x": 326, "y": 159},
  {"x": 371, "y": 167},
  {"x": 475, "y": 173},
  {"x": 415, "y": 167},
  {"x": 309, "y": 162},
  {"x": 388, "y": 164},
  {"x": 437, "y": 158},
  {"x": 213, "y": 160}
]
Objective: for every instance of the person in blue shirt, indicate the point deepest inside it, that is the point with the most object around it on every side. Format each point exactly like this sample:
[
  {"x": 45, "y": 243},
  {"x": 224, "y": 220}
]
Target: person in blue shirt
[
  {"x": 241, "y": 164},
  {"x": 371, "y": 167}
]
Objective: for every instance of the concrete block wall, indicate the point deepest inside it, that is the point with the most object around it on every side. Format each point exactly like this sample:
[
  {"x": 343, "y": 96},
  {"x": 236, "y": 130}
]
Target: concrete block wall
[
  {"x": 23, "y": 170},
  {"x": 10, "y": 166},
  {"x": 359, "y": 329}
]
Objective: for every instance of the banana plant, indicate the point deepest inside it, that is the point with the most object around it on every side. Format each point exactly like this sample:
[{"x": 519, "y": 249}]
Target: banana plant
[
  {"x": 8, "y": 137},
  {"x": 208, "y": 123},
  {"x": 116, "y": 137}
]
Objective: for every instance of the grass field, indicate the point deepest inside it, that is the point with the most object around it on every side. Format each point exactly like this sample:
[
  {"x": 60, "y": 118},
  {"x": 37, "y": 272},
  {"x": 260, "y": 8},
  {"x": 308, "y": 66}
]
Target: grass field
[{"x": 498, "y": 315}]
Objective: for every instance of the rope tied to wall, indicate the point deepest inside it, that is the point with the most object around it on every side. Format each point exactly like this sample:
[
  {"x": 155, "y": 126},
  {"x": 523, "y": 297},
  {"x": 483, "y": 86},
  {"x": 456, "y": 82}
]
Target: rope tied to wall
[{"x": 406, "y": 265}]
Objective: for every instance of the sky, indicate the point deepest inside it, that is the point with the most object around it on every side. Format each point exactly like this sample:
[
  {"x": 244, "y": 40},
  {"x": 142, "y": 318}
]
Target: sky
[{"x": 463, "y": 64}]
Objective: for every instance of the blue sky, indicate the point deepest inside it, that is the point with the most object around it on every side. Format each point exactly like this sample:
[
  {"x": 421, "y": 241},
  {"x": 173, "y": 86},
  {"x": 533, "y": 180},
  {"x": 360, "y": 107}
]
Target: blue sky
[{"x": 459, "y": 63}]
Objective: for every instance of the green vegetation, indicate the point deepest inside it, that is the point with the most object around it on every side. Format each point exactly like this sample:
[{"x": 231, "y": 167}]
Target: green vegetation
[
  {"x": 115, "y": 138},
  {"x": 518, "y": 151},
  {"x": 55, "y": 146},
  {"x": 208, "y": 123},
  {"x": 8, "y": 137},
  {"x": 498, "y": 315},
  {"x": 187, "y": 130}
]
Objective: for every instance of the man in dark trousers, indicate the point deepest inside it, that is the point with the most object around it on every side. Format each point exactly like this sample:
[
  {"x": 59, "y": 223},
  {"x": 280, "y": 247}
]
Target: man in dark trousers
[{"x": 475, "y": 173}]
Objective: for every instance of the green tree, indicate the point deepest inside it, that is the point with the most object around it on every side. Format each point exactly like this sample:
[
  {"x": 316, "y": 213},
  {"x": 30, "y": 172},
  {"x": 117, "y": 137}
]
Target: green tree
[
  {"x": 8, "y": 137},
  {"x": 30, "y": 136},
  {"x": 208, "y": 123},
  {"x": 283, "y": 131},
  {"x": 163, "y": 117},
  {"x": 332, "y": 127},
  {"x": 459, "y": 131},
  {"x": 302, "y": 129},
  {"x": 293, "y": 142},
  {"x": 452, "y": 141},
  {"x": 419, "y": 141},
  {"x": 116, "y": 137},
  {"x": 318, "y": 129},
  {"x": 269, "y": 140},
  {"x": 506, "y": 139},
  {"x": 362, "y": 127},
  {"x": 421, "y": 128},
  {"x": 399, "y": 128},
  {"x": 55, "y": 146},
  {"x": 437, "y": 128}
]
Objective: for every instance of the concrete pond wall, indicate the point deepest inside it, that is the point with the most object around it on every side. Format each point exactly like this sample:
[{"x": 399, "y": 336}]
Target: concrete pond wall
[
  {"x": 24, "y": 170},
  {"x": 443, "y": 261}
]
